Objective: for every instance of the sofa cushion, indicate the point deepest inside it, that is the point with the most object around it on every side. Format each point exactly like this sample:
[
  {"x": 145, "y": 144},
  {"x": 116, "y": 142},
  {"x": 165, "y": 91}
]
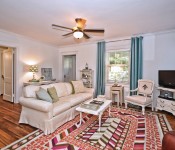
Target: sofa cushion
[
  {"x": 60, "y": 107},
  {"x": 61, "y": 89},
  {"x": 76, "y": 99},
  {"x": 43, "y": 95},
  {"x": 53, "y": 94},
  {"x": 29, "y": 91},
  {"x": 47, "y": 86},
  {"x": 69, "y": 88},
  {"x": 78, "y": 86}
]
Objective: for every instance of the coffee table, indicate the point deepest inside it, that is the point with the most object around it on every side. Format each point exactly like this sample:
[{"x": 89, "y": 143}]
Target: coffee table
[{"x": 98, "y": 112}]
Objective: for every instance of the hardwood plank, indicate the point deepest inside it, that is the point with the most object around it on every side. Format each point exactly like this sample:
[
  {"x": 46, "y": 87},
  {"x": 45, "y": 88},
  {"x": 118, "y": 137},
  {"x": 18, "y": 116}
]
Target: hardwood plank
[
  {"x": 10, "y": 129},
  {"x": 2, "y": 144}
]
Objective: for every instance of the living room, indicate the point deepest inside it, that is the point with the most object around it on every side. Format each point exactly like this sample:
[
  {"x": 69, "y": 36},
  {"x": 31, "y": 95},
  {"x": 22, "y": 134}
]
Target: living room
[{"x": 27, "y": 28}]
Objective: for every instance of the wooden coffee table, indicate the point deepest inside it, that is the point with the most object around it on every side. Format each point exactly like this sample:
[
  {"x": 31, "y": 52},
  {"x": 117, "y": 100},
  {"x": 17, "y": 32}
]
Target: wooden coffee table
[{"x": 98, "y": 112}]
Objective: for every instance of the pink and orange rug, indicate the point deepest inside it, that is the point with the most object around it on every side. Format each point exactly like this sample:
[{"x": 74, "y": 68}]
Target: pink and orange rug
[{"x": 124, "y": 130}]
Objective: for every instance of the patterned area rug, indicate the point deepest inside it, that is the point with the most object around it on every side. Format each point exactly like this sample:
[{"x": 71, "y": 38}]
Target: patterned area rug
[{"x": 123, "y": 130}]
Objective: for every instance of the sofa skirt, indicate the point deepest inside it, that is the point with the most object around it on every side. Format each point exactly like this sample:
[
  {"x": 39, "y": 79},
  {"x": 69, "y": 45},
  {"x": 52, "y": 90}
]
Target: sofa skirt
[{"x": 44, "y": 120}]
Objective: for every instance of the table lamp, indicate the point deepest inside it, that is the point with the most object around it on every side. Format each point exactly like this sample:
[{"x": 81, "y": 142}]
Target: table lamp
[{"x": 33, "y": 69}]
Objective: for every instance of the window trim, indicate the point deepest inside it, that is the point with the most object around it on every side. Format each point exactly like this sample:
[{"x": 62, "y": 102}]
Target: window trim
[{"x": 107, "y": 63}]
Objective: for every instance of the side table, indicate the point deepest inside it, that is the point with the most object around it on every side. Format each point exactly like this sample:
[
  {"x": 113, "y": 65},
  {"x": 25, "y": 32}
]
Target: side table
[{"x": 119, "y": 91}]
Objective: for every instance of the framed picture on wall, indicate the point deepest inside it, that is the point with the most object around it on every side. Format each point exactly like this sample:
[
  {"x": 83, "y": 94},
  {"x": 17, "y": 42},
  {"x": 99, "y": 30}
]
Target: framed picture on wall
[{"x": 47, "y": 73}]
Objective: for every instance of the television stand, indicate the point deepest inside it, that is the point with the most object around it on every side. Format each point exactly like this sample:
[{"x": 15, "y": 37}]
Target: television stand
[{"x": 166, "y": 100}]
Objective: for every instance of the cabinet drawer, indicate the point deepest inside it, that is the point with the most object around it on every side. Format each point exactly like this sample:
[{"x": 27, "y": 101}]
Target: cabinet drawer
[
  {"x": 161, "y": 101},
  {"x": 161, "y": 105},
  {"x": 172, "y": 103},
  {"x": 172, "y": 109}
]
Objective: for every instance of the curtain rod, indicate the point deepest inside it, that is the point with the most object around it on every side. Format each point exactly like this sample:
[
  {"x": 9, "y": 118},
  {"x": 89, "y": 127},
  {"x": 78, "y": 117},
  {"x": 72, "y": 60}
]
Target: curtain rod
[{"x": 118, "y": 40}]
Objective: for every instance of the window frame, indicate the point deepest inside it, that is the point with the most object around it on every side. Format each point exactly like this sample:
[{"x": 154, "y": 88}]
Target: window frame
[{"x": 107, "y": 64}]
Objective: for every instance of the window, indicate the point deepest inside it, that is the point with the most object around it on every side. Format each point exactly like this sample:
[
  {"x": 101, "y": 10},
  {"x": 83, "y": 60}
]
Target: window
[{"x": 118, "y": 66}]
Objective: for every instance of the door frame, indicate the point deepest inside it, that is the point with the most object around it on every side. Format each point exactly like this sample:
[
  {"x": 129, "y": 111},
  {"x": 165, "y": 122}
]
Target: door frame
[
  {"x": 62, "y": 54},
  {"x": 63, "y": 65},
  {"x": 15, "y": 69}
]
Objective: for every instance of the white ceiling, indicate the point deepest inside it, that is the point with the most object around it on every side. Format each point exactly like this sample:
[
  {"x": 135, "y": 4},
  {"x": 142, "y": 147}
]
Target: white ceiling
[{"x": 119, "y": 18}]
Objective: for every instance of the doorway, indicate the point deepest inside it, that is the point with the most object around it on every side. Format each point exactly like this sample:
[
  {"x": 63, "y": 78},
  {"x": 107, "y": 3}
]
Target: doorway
[
  {"x": 7, "y": 73},
  {"x": 69, "y": 68}
]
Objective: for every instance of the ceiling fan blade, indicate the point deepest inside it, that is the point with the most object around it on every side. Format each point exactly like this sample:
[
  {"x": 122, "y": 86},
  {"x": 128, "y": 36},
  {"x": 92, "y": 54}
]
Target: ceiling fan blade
[
  {"x": 94, "y": 30},
  {"x": 68, "y": 33},
  {"x": 86, "y": 36},
  {"x": 54, "y": 25},
  {"x": 80, "y": 22}
]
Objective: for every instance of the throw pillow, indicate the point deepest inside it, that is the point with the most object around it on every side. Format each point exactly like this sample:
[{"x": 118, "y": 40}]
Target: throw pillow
[
  {"x": 78, "y": 86},
  {"x": 53, "y": 94},
  {"x": 43, "y": 95},
  {"x": 73, "y": 91}
]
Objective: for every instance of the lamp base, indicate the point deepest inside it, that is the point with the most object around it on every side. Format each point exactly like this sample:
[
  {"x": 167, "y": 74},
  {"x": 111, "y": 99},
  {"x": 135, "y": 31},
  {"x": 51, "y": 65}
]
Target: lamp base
[{"x": 33, "y": 80}]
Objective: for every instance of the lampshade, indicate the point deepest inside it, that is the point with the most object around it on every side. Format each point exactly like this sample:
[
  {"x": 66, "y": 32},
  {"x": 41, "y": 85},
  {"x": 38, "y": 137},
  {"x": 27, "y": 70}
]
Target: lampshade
[
  {"x": 33, "y": 68},
  {"x": 78, "y": 34}
]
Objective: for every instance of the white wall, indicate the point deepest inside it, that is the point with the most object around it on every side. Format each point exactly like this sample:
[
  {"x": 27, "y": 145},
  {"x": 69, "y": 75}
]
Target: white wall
[
  {"x": 29, "y": 52},
  {"x": 159, "y": 54},
  {"x": 85, "y": 53}
]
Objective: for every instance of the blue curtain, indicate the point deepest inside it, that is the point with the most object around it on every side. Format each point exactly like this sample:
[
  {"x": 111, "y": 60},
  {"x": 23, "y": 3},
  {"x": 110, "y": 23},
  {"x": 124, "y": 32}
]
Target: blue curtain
[
  {"x": 136, "y": 65},
  {"x": 100, "y": 72}
]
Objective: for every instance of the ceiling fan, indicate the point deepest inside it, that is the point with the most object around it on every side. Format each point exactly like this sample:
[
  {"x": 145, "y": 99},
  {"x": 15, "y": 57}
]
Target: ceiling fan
[{"x": 79, "y": 30}]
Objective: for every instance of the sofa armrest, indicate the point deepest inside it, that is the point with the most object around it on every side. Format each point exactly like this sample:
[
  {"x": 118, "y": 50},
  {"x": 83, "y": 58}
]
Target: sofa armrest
[
  {"x": 36, "y": 104},
  {"x": 89, "y": 90}
]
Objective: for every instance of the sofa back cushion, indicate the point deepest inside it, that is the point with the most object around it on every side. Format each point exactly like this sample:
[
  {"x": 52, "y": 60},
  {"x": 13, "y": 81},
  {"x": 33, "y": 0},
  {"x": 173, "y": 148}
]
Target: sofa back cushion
[
  {"x": 29, "y": 91},
  {"x": 61, "y": 89},
  {"x": 69, "y": 88},
  {"x": 47, "y": 86},
  {"x": 78, "y": 86}
]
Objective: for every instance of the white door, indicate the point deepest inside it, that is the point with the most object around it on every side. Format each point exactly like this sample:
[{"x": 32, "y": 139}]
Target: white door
[
  {"x": 7, "y": 74},
  {"x": 69, "y": 68}
]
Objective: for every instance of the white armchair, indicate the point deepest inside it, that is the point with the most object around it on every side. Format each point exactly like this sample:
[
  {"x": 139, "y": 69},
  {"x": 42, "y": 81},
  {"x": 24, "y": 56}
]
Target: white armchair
[{"x": 144, "y": 96}]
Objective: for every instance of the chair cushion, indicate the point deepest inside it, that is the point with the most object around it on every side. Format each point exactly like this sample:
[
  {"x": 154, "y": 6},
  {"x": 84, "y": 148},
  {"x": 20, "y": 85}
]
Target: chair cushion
[
  {"x": 53, "y": 94},
  {"x": 43, "y": 95},
  {"x": 138, "y": 99},
  {"x": 60, "y": 106},
  {"x": 78, "y": 86},
  {"x": 76, "y": 99}
]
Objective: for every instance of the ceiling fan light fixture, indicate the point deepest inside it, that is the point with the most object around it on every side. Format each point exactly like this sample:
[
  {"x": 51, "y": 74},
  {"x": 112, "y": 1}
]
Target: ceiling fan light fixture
[{"x": 78, "y": 34}]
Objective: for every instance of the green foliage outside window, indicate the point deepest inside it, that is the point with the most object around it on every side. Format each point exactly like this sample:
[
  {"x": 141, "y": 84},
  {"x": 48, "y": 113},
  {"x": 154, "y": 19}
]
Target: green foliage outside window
[{"x": 118, "y": 66}]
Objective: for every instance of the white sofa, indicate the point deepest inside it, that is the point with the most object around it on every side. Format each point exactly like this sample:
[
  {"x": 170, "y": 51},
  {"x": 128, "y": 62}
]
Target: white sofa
[{"x": 49, "y": 116}]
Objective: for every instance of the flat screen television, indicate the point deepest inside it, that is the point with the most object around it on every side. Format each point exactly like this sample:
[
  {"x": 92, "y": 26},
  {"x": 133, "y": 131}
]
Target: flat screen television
[{"x": 167, "y": 78}]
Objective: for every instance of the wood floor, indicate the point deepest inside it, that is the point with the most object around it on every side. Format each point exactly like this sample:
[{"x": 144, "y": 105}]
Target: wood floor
[{"x": 11, "y": 130}]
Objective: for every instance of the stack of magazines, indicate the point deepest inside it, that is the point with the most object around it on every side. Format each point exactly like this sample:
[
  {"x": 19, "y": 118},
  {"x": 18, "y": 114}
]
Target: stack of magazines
[
  {"x": 97, "y": 102},
  {"x": 90, "y": 106}
]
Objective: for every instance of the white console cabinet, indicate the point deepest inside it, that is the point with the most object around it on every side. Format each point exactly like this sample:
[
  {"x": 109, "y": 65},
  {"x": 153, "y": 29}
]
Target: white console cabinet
[{"x": 166, "y": 102}]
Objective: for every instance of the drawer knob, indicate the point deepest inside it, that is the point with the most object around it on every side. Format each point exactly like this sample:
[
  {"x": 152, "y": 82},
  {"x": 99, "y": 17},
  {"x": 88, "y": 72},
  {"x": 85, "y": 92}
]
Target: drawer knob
[
  {"x": 161, "y": 106},
  {"x": 172, "y": 109},
  {"x": 162, "y": 101},
  {"x": 172, "y": 104}
]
